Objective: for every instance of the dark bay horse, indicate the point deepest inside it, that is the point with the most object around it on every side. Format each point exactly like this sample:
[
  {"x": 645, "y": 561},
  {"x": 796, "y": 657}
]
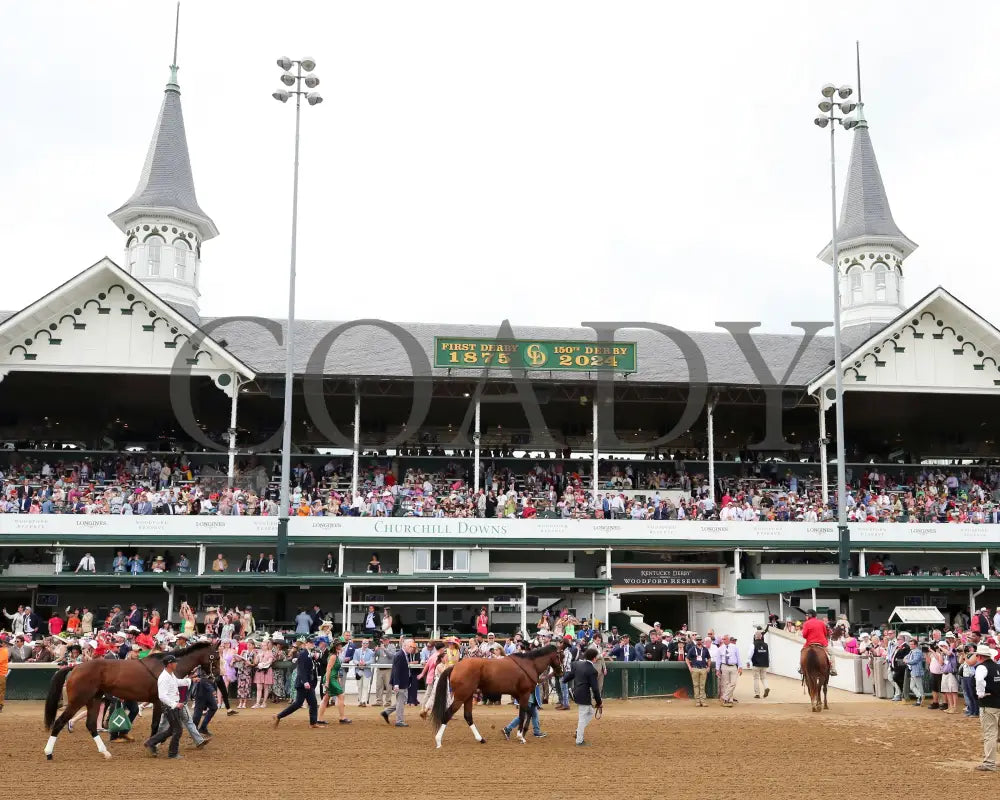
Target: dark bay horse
[
  {"x": 88, "y": 683},
  {"x": 815, "y": 674},
  {"x": 515, "y": 675}
]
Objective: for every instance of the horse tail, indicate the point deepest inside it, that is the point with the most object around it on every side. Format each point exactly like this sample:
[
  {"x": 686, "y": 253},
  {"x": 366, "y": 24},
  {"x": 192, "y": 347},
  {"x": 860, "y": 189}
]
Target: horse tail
[
  {"x": 54, "y": 700},
  {"x": 441, "y": 696}
]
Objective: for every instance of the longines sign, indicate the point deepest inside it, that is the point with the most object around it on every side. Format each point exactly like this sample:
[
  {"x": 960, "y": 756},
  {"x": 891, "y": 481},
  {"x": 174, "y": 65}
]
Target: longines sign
[{"x": 600, "y": 532}]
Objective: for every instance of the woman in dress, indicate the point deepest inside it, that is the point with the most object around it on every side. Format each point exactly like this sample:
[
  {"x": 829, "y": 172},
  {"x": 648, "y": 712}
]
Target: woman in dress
[
  {"x": 334, "y": 688},
  {"x": 282, "y": 669},
  {"x": 228, "y": 627},
  {"x": 386, "y": 622},
  {"x": 187, "y": 618},
  {"x": 226, "y": 655},
  {"x": 211, "y": 620},
  {"x": 154, "y": 623},
  {"x": 482, "y": 622},
  {"x": 263, "y": 678},
  {"x": 244, "y": 673}
]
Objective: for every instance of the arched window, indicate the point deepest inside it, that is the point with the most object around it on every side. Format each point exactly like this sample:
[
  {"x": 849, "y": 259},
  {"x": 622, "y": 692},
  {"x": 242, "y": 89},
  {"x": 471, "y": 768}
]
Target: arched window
[
  {"x": 154, "y": 245},
  {"x": 881, "y": 276},
  {"x": 132, "y": 249},
  {"x": 856, "y": 290},
  {"x": 182, "y": 258}
]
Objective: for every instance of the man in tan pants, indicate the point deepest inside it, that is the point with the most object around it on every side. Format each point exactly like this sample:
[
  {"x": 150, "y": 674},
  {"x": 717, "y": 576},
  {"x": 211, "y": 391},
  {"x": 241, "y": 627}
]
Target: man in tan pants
[
  {"x": 727, "y": 660},
  {"x": 987, "y": 677},
  {"x": 699, "y": 661}
]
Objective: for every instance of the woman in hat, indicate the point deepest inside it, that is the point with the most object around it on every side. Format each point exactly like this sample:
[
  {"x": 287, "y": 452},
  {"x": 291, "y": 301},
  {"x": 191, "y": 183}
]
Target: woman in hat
[
  {"x": 263, "y": 678},
  {"x": 211, "y": 620},
  {"x": 333, "y": 687}
]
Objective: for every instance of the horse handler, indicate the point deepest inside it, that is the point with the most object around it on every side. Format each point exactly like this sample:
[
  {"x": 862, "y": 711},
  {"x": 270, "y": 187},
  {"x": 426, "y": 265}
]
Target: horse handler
[
  {"x": 305, "y": 685},
  {"x": 987, "y": 677},
  {"x": 168, "y": 689},
  {"x": 583, "y": 677}
]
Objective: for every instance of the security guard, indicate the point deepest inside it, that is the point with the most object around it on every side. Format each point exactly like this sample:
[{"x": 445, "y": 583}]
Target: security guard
[
  {"x": 988, "y": 692},
  {"x": 760, "y": 660}
]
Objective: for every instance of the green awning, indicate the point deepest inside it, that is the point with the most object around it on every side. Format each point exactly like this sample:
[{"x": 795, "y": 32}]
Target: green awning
[{"x": 751, "y": 586}]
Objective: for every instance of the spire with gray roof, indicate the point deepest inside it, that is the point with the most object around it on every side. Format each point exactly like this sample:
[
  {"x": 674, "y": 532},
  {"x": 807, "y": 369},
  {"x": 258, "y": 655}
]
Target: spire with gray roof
[
  {"x": 166, "y": 182},
  {"x": 163, "y": 224},
  {"x": 870, "y": 246}
]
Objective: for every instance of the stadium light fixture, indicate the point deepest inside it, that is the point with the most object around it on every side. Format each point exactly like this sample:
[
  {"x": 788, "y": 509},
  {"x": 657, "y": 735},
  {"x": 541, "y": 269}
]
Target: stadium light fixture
[
  {"x": 830, "y": 107},
  {"x": 295, "y": 80}
]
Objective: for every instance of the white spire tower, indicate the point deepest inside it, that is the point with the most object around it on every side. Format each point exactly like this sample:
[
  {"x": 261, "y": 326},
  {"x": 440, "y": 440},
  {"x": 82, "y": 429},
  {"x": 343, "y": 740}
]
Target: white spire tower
[
  {"x": 871, "y": 247},
  {"x": 163, "y": 224}
]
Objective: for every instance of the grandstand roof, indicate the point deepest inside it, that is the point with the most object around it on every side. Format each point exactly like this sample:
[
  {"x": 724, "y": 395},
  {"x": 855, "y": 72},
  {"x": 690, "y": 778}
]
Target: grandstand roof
[{"x": 369, "y": 351}]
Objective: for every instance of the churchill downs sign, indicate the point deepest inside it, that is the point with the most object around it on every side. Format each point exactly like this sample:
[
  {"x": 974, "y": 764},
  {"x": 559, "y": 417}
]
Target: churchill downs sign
[
  {"x": 654, "y": 576},
  {"x": 462, "y": 353}
]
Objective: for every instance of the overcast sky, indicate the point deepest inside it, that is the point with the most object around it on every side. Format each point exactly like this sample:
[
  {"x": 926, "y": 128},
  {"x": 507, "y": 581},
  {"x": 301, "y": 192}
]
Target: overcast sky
[{"x": 546, "y": 162}]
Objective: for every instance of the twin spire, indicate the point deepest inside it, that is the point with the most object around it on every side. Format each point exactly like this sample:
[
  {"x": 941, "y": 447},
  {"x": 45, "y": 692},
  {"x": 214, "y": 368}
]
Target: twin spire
[{"x": 162, "y": 221}]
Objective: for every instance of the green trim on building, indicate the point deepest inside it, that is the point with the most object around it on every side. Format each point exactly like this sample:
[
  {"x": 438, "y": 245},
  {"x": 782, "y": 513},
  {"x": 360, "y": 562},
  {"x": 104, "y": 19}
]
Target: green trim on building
[{"x": 754, "y": 586}]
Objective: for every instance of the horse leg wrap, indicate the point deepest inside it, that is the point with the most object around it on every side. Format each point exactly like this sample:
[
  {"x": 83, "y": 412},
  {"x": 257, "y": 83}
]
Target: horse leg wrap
[
  {"x": 101, "y": 748},
  {"x": 520, "y": 736},
  {"x": 475, "y": 732},
  {"x": 50, "y": 745},
  {"x": 440, "y": 734}
]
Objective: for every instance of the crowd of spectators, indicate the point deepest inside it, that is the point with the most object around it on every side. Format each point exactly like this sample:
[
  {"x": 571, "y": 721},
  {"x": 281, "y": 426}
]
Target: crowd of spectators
[{"x": 554, "y": 489}]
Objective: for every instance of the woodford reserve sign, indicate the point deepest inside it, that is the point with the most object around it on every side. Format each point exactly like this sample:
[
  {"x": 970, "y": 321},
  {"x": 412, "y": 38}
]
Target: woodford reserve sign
[
  {"x": 543, "y": 354},
  {"x": 661, "y": 576}
]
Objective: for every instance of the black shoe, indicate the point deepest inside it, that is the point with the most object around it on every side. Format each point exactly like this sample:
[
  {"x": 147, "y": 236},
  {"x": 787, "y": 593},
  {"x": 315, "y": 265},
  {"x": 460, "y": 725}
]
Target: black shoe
[
  {"x": 506, "y": 734},
  {"x": 767, "y": 692},
  {"x": 385, "y": 716},
  {"x": 934, "y": 705}
]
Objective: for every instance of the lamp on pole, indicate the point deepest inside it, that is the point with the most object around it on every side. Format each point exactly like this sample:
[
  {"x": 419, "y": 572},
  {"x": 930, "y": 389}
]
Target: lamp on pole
[
  {"x": 294, "y": 82},
  {"x": 836, "y": 99}
]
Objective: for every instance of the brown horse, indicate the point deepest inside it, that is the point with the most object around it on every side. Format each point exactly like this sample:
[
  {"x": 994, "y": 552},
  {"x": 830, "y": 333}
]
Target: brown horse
[
  {"x": 88, "y": 683},
  {"x": 515, "y": 675},
  {"x": 815, "y": 674}
]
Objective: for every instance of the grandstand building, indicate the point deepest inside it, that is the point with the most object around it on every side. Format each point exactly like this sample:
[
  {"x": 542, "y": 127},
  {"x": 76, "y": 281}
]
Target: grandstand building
[{"x": 122, "y": 364}]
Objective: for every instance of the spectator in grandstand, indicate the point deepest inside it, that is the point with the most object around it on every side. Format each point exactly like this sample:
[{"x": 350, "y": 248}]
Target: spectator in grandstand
[
  {"x": 87, "y": 564},
  {"x": 220, "y": 564}
]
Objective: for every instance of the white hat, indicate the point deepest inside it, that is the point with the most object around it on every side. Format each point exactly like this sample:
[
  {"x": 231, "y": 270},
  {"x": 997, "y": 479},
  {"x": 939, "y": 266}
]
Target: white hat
[
  {"x": 986, "y": 650},
  {"x": 132, "y": 629},
  {"x": 277, "y": 637}
]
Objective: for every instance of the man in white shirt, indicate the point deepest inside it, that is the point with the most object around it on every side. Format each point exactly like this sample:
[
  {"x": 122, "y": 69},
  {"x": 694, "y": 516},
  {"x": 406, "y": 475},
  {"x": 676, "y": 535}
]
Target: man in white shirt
[
  {"x": 168, "y": 690},
  {"x": 87, "y": 564},
  {"x": 727, "y": 663}
]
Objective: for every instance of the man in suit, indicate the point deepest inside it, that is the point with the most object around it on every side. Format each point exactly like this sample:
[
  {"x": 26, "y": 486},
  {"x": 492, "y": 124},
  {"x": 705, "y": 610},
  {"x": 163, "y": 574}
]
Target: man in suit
[
  {"x": 247, "y": 564},
  {"x": 260, "y": 565},
  {"x": 316, "y": 615},
  {"x": 117, "y": 618},
  {"x": 400, "y": 678},
  {"x": 625, "y": 651},
  {"x": 271, "y": 564},
  {"x": 144, "y": 506},
  {"x": 134, "y": 618},
  {"x": 583, "y": 678},
  {"x": 305, "y": 684},
  {"x": 87, "y": 622}
]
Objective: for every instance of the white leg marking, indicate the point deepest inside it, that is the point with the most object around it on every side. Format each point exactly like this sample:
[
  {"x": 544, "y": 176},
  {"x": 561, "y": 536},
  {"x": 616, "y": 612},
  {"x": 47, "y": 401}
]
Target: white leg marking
[
  {"x": 100, "y": 746},
  {"x": 50, "y": 745},
  {"x": 475, "y": 733},
  {"x": 440, "y": 735}
]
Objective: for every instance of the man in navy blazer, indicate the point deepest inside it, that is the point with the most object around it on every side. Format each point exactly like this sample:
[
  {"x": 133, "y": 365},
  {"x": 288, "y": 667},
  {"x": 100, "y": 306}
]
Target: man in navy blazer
[
  {"x": 400, "y": 678},
  {"x": 625, "y": 651}
]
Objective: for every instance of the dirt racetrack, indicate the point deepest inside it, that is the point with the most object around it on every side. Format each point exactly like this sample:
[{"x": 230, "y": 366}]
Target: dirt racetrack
[{"x": 771, "y": 748}]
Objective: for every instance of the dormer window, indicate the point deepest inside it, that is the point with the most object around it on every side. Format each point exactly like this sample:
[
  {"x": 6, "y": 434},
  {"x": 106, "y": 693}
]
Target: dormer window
[
  {"x": 154, "y": 246},
  {"x": 856, "y": 291},
  {"x": 183, "y": 259},
  {"x": 880, "y": 282}
]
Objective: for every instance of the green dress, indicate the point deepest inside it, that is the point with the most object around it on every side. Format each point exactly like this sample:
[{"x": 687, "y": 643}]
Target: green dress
[{"x": 333, "y": 687}]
